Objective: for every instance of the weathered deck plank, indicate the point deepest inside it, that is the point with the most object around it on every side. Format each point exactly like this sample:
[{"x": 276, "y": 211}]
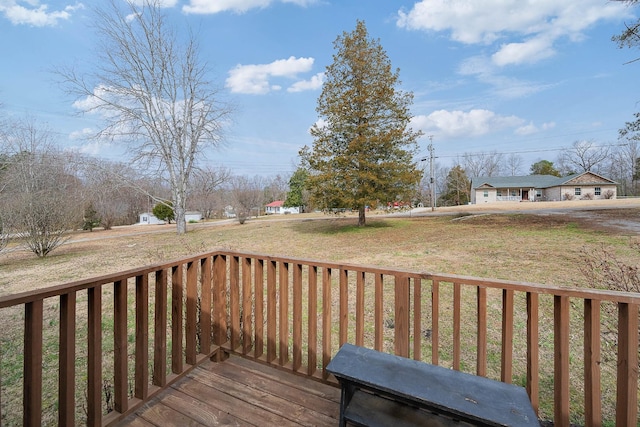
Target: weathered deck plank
[{"x": 241, "y": 392}]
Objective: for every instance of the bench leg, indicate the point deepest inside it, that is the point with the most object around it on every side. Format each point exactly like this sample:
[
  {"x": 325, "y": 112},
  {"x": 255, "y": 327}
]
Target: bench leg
[{"x": 346, "y": 394}]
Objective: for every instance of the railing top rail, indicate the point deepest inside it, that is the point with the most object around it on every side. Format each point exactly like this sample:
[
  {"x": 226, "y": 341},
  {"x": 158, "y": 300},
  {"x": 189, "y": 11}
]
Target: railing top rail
[
  {"x": 582, "y": 293},
  {"x": 542, "y": 289},
  {"x": 92, "y": 282}
]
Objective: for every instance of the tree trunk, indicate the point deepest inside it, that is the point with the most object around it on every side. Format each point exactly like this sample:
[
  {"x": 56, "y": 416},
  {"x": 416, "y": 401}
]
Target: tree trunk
[
  {"x": 361, "y": 217},
  {"x": 181, "y": 223}
]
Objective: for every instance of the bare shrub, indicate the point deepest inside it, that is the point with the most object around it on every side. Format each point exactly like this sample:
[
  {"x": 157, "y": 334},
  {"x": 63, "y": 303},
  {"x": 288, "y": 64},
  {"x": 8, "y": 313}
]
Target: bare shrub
[
  {"x": 568, "y": 196},
  {"x": 609, "y": 194},
  {"x": 4, "y": 235},
  {"x": 588, "y": 196},
  {"x": 603, "y": 269}
]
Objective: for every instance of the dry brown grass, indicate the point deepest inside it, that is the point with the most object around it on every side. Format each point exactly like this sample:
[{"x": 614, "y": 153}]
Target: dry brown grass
[{"x": 523, "y": 247}]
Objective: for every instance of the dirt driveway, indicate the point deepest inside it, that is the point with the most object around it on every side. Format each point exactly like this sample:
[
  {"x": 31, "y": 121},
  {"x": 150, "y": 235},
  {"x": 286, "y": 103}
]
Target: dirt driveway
[{"x": 620, "y": 215}]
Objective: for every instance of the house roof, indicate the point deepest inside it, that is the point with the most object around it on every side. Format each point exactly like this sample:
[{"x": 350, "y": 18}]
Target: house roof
[
  {"x": 276, "y": 204},
  {"x": 538, "y": 181}
]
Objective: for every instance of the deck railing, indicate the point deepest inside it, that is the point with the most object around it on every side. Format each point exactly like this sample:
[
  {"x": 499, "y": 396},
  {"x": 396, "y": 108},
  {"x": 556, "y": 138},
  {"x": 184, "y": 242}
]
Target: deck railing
[{"x": 119, "y": 339}]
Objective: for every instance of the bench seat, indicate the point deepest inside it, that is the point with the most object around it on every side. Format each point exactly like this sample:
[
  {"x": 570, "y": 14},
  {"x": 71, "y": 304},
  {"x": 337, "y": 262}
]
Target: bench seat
[{"x": 395, "y": 389}]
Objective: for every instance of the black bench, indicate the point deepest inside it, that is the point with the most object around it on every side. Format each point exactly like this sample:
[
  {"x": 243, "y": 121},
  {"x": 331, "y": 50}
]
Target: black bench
[{"x": 380, "y": 389}]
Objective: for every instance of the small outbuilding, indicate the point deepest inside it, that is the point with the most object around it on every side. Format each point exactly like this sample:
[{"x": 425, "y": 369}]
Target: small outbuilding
[{"x": 149, "y": 219}]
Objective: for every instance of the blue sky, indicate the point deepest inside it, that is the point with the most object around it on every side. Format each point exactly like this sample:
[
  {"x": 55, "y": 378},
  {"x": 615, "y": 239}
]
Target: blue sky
[{"x": 511, "y": 76}]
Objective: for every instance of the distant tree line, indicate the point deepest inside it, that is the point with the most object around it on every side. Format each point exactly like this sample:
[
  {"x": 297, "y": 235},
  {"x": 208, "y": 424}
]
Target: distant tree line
[{"x": 46, "y": 192}]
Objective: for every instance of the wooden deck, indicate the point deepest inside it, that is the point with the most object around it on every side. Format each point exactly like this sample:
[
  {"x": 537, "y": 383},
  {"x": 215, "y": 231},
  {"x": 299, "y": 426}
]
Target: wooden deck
[{"x": 240, "y": 392}]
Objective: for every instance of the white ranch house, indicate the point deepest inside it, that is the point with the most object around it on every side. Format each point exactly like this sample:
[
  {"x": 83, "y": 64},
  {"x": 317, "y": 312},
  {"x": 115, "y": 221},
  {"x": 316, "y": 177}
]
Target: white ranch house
[
  {"x": 532, "y": 188},
  {"x": 278, "y": 208}
]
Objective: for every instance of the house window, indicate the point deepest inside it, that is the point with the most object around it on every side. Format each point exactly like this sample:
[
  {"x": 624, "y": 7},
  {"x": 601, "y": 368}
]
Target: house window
[
  {"x": 513, "y": 193},
  {"x": 486, "y": 193},
  {"x": 597, "y": 191},
  {"x": 499, "y": 193},
  {"x": 144, "y": 219},
  {"x": 577, "y": 191},
  {"x": 538, "y": 193}
]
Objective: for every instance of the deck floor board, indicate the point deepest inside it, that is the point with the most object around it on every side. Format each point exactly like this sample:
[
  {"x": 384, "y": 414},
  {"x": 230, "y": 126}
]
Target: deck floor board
[{"x": 240, "y": 392}]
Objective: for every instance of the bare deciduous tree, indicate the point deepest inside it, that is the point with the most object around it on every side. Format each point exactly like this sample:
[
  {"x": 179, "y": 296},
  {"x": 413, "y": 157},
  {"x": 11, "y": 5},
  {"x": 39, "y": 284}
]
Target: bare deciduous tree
[
  {"x": 482, "y": 164},
  {"x": 206, "y": 188},
  {"x": 583, "y": 156},
  {"x": 514, "y": 164},
  {"x": 623, "y": 166},
  {"x": 276, "y": 189},
  {"x": 41, "y": 190},
  {"x": 110, "y": 189},
  {"x": 248, "y": 196},
  {"x": 152, "y": 92}
]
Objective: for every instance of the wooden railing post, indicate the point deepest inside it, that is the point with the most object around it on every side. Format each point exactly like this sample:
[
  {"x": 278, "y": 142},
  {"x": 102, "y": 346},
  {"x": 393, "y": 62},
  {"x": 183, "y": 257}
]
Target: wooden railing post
[
  {"x": 283, "y": 320},
  {"x": 506, "y": 371},
  {"x": 533, "y": 350},
  {"x": 402, "y": 313},
  {"x": 67, "y": 360},
  {"x": 435, "y": 321},
  {"x": 312, "y": 345},
  {"x": 220, "y": 299},
  {"x": 247, "y": 298},
  {"x": 205, "y": 305},
  {"x": 457, "y": 318},
  {"x": 627, "y": 384},
  {"x": 160, "y": 330},
  {"x": 142, "y": 337},
  {"x": 191, "y": 326},
  {"x": 326, "y": 320},
  {"x": 94, "y": 362},
  {"x": 258, "y": 284},
  {"x": 417, "y": 319},
  {"x": 561, "y": 360},
  {"x": 271, "y": 311},
  {"x": 297, "y": 317},
  {"x": 120, "y": 358},
  {"x": 234, "y": 301},
  {"x": 176, "y": 319},
  {"x": 32, "y": 407},
  {"x": 592, "y": 402},
  {"x": 378, "y": 317},
  {"x": 360, "y": 308},
  {"x": 343, "y": 316},
  {"x": 481, "y": 328}
]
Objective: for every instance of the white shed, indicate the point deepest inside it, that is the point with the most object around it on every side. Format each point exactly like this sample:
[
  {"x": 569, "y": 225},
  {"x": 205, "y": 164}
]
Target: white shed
[{"x": 150, "y": 219}]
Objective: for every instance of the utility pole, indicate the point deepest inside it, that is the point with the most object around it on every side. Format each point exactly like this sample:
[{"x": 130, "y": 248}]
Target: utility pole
[{"x": 432, "y": 179}]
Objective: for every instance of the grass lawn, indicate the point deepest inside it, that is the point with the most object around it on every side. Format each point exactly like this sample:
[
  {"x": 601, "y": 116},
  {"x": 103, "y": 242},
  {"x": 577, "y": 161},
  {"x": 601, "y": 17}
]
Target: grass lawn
[{"x": 521, "y": 247}]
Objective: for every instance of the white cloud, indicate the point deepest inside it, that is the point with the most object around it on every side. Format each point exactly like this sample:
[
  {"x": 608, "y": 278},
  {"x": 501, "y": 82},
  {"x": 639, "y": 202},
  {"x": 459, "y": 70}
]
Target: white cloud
[
  {"x": 81, "y": 134},
  {"x": 93, "y": 148},
  {"x": 255, "y": 79},
  {"x": 530, "y": 128},
  {"x": 237, "y": 6},
  {"x": 487, "y": 72},
  {"x": 35, "y": 14},
  {"x": 527, "y": 52},
  {"x": 313, "y": 83},
  {"x": 319, "y": 124},
  {"x": 473, "y": 123},
  {"x": 528, "y": 29}
]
